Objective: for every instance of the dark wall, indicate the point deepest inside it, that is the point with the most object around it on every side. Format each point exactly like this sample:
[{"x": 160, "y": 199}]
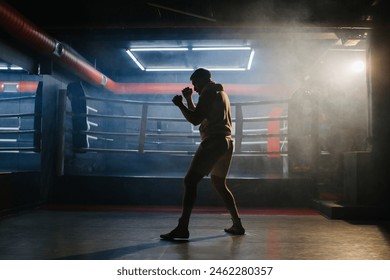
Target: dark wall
[
  {"x": 380, "y": 84},
  {"x": 19, "y": 191}
]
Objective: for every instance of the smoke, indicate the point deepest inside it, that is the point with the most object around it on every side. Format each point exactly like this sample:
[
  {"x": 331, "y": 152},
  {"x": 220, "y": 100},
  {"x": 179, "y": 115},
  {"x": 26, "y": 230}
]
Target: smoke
[{"x": 266, "y": 11}]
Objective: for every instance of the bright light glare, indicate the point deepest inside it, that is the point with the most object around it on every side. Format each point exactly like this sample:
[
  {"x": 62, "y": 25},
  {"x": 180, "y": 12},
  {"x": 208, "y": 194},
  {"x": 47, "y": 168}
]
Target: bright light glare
[
  {"x": 358, "y": 66},
  {"x": 158, "y": 49},
  {"x": 146, "y": 68},
  {"x": 135, "y": 60},
  {"x": 14, "y": 67},
  {"x": 250, "y": 60},
  {"x": 220, "y": 48},
  {"x": 4, "y": 66},
  {"x": 168, "y": 69}
]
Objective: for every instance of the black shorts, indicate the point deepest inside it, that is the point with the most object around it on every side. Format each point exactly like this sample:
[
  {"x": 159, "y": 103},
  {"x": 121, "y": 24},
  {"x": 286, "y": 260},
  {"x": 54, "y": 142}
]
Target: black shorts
[{"x": 214, "y": 156}]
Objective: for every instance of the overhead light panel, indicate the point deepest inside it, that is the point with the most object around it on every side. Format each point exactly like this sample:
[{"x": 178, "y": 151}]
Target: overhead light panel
[
  {"x": 216, "y": 58},
  {"x": 225, "y": 69},
  {"x": 132, "y": 56},
  {"x": 351, "y": 42},
  {"x": 168, "y": 69},
  {"x": 178, "y": 49},
  {"x": 221, "y": 48},
  {"x": 250, "y": 60},
  {"x": 16, "y": 68},
  {"x": 6, "y": 66}
]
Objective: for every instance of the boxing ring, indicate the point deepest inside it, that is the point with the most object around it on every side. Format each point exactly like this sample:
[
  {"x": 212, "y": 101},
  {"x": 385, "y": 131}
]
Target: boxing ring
[{"x": 103, "y": 127}]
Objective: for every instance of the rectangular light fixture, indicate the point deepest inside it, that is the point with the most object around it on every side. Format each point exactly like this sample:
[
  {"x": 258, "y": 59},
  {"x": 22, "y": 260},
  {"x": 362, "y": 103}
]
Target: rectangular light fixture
[
  {"x": 225, "y": 69},
  {"x": 178, "y": 49},
  {"x": 192, "y": 69},
  {"x": 5, "y": 66},
  {"x": 221, "y": 48},
  {"x": 132, "y": 56},
  {"x": 142, "y": 60},
  {"x": 168, "y": 69},
  {"x": 250, "y": 60},
  {"x": 14, "y": 67}
]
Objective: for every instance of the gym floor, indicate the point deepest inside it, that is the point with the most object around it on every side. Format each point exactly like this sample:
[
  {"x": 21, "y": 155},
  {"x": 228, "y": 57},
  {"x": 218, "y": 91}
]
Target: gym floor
[{"x": 132, "y": 233}]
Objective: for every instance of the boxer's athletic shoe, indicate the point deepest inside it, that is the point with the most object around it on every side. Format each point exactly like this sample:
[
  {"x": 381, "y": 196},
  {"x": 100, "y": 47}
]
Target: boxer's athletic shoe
[
  {"x": 236, "y": 228},
  {"x": 177, "y": 233}
]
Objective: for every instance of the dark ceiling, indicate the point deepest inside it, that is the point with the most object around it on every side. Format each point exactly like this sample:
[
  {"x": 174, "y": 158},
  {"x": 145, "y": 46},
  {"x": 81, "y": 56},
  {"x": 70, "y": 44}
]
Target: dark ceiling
[
  {"x": 114, "y": 13},
  {"x": 288, "y": 35}
]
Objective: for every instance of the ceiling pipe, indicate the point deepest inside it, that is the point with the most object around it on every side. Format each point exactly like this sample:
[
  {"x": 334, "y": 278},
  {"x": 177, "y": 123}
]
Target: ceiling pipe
[
  {"x": 159, "y": 88},
  {"x": 21, "y": 87},
  {"x": 20, "y": 27}
]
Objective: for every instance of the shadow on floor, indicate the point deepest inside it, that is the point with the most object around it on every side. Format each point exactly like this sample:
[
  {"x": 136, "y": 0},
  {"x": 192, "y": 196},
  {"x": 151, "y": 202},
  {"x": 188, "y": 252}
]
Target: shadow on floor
[{"x": 120, "y": 252}]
